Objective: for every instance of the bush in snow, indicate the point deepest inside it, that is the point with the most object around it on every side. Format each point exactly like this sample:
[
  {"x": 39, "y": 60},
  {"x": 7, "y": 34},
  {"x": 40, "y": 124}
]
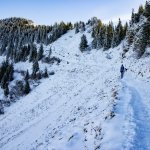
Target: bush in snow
[{"x": 45, "y": 75}]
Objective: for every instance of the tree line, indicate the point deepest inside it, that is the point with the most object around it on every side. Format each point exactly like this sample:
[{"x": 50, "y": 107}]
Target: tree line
[{"x": 136, "y": 34}]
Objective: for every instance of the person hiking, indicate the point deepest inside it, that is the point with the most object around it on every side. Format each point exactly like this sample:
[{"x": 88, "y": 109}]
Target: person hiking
[{"x": 122, "y": 70}]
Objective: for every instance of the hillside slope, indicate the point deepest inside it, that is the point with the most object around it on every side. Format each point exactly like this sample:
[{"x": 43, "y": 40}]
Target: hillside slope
[
  {"x": 64, "y": 105},
  {"x": 83, "y": 106}
]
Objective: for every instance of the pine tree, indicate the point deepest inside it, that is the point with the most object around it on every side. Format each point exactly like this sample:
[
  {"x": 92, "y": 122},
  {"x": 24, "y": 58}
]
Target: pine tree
[
  {"x": 4, "y": 80},
  {"x": 76, "y": 30},
  {"x": 33, "y": 53},
  {"x": 100, "y": 41},
  {"x": 133, "y": 17},
  {"x": 27, "y": 87},
  {"x": 25, "y": 51},
  {"x": 114, "y": 39},
  {"x": 10, "y": 50},
  {"x": 110, "y": 30},
  {"x": 45, "y": 73},
  {"x": 10, "y": 72},
  {"x": 40, "y": 53},
  {"x": 39, "y": 75},
  {"x": 1, "y": 108},
  {"x": 69, "y": 26},
  {"x": 147, "y": 9},
  {"x": 101, "y": 37},
  {"x": 27, "y": 75},
  {"x": 3, "y": 47},
  {"x": 118, "y": 35},
  {"x": 108, "y": 36},
  {"x": 6, "y": 90},
  {"x": 35, "y": 69},
  {"x": 83, "y": 44},
  {"x": 3, "y": 69},
  {"x": 106, "y": 46},
  {"x": 94, "y": 43},
  {"x": 142, "y": 40},
  {"x": 120, "y": 32},
  {"x": 141, "y": 10},
  {"x": 83, "y": 27},
  {"x": 93, "y": 33},
  {"x": 38, "y": 38},
  {"x": 125, "y": 28},
  {"x": 50, "y": 53}
]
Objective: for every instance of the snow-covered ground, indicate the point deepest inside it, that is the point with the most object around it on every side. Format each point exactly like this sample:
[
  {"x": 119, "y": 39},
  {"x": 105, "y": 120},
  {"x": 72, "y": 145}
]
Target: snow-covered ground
[{"x": 84, "y": 106}]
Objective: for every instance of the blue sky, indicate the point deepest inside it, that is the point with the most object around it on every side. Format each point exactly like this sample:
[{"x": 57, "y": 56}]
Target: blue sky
[{"x": 51, "y": 11}]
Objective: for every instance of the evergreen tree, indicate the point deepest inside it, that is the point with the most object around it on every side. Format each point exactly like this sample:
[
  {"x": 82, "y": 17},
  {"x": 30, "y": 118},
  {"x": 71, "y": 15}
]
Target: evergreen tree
[
  {"x": 125, "y": 28},
  {"x": 24, "y": 53},
  {"x": 147, "y": 9},
  {"x": 27, "y": 75},
  {"x": 118, "y": 35},
  {"x": 50, "y": 53},
  {"x": 35, "y": 69},
  {"x": 114, "y": 39},
  {"x": 10, "y": 50},
  {"x": 93, "y": 33},
  {"x": 130, "y": 34},
  {"x": 3, "y": 47},
  {"x": 27, "y": 88},
  {"x": 132, "y": 17},
  {"x": 10, "y": 72},
  {"x": 76, "y": 28},
  {"x": 3, "y": 69},
  {"x": 38, "y": 38},
  {"x": 6, "y": 90},
  {"x": 4, "y": 80},
  {"x": 45, "y": 73},
  {"x": 108, "y": 36},
  {"x": 33, "y": 53},
  {"x": 83, "y": 44},
  {"x": 39, "y": 76},
  {"x": 94, "y": 43},
  {"x": 1, "y": 108},
  {"x": 120, "y": 32},
  {"x": 106, "y": 44},
  {"x": 69, "y": 26},
  {"x": 100, "y": 41},
  {"x": 143, "y": 40},
  {"x": 40, "y": 53},
  {"x": 83, "y": 27},
  {"x": 101, "y": 37},
  {"x": 141, "y": 10}
]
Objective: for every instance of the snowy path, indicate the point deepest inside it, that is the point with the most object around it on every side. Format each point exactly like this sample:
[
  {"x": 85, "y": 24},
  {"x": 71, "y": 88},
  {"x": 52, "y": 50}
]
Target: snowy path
[
  {"x": 141, "y": 115},
  {"x": 130, "y": 128},
  {"x": 139, "y": 103},
  {"x": 142, "y": 121}
]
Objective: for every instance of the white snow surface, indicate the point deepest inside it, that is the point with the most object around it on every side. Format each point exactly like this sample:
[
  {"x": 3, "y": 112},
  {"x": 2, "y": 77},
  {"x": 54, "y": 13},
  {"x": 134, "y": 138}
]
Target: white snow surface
[{"x": 72, "y": 110}]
